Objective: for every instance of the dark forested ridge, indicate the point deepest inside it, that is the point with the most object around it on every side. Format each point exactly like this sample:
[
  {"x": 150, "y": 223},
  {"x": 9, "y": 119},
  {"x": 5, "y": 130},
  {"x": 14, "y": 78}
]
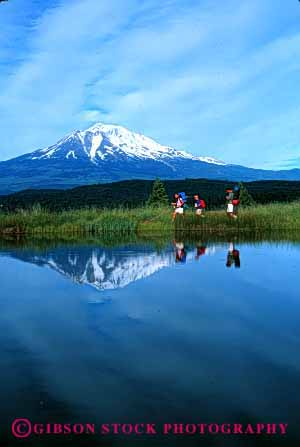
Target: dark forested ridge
[{"x": 133, "y": 193}]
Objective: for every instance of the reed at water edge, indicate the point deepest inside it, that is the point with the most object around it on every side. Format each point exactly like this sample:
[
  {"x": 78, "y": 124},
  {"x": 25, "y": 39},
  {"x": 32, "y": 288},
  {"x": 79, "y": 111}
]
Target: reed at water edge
[{"x": 39, "y": 221}]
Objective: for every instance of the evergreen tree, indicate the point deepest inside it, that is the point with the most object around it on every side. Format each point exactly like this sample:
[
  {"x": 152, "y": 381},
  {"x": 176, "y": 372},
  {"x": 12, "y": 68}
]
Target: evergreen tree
[
  {"x": 158, "y": 195},
  {"x": 245, "y": 197}
]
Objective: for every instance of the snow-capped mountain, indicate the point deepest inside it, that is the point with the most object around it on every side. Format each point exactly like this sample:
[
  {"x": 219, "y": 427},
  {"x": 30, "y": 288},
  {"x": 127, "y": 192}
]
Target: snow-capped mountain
[
  {"x": 106, "y": 153},
  {"x": 103, "y": 141}
]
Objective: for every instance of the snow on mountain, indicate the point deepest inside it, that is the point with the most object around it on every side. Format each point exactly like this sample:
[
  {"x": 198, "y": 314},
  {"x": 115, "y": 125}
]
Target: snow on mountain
[
  {"x": 102, "y": 141},
  {"x": 107, "y": 153},
  {"x": 106, "y": 269}
]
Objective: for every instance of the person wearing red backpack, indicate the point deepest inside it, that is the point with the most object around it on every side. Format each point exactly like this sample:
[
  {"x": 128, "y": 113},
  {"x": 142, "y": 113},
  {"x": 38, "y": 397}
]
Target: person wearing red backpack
[
  {"x": 178, "y": 206},
  {"x": 199, "y": 205}
]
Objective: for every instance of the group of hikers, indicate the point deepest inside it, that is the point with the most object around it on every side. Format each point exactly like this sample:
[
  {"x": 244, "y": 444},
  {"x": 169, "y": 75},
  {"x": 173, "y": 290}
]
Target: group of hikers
[{"x": 232, "y": 198}]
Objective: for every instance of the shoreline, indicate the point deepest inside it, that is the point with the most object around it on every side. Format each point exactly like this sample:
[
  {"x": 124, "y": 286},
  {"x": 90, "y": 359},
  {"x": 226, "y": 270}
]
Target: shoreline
[{"x": 142, "y": 221}]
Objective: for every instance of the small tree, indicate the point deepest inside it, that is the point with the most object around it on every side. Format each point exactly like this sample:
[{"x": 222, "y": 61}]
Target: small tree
[
  {"x": 158, "y": 195},
  {"x": 245, "y": 197}
]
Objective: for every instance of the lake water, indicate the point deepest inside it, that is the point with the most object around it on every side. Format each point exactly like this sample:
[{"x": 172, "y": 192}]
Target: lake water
[{"x": 198, "y": 332}]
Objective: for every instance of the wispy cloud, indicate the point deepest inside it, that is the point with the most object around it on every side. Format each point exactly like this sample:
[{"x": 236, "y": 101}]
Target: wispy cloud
[
  {"x": 291, "y": 163},
  {"x": 213, "y": 78}
]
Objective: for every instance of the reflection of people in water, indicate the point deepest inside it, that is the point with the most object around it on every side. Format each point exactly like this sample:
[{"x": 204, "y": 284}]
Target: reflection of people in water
[
  {"x": 233, "y": 257},
  {"x": 180, "y": 253},
  {"x": 200, "y": 251}
]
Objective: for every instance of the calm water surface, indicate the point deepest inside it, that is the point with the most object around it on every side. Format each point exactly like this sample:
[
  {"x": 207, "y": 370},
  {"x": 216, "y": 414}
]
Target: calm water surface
[{"x": 196, "y": 332}]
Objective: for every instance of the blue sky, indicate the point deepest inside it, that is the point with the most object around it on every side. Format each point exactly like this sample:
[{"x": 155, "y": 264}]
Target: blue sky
[{"x": 218, "y": 78}]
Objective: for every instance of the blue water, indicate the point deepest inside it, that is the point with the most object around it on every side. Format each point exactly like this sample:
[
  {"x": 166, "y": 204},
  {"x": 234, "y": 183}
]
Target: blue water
[{"x": 204, "y": 332}]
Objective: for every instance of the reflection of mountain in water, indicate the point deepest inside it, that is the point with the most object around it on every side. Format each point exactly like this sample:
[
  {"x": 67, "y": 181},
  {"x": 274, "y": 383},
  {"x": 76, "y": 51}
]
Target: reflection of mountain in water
[{"x": 102, "y": 268}]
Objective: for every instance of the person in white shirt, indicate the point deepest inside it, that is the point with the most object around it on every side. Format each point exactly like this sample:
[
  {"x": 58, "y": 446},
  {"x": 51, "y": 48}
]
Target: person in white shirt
[{"x": 178, "y": 206}]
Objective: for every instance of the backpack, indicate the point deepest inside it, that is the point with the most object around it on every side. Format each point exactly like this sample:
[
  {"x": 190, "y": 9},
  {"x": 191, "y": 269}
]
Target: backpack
[
  {"x": 183, "y": 196},
  {"x": 202, "y": 203}
]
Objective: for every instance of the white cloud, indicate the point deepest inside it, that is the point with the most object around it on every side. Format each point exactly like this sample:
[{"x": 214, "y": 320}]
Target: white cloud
[
  {"x": 278, "y": 135},
  {"x": 91, "y": 116},
  {"x": 202, "y": 76}
]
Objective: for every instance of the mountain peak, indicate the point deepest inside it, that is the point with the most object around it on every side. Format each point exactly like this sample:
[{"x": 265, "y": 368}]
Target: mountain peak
[
  {"x": 105, "y": 153},
  {"x": 131, "y": 143},
  {"x": 109, "y": 128},
  {"x": 138, "y": 145},
  {"x": 102, "y": 141}
]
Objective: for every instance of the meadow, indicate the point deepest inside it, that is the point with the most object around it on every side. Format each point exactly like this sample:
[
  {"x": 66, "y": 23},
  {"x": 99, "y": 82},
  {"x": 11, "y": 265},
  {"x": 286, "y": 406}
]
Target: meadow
[{"x": 146, "y": 220}]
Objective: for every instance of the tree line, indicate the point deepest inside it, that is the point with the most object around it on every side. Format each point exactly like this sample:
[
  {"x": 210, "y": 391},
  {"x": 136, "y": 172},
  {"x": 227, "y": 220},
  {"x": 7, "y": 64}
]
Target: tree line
[{"x": 135, "y": 193}]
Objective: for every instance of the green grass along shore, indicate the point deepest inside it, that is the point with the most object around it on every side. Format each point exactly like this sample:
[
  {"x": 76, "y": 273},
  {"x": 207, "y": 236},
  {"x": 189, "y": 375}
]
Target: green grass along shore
[{"x": 38, "y": 221}]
